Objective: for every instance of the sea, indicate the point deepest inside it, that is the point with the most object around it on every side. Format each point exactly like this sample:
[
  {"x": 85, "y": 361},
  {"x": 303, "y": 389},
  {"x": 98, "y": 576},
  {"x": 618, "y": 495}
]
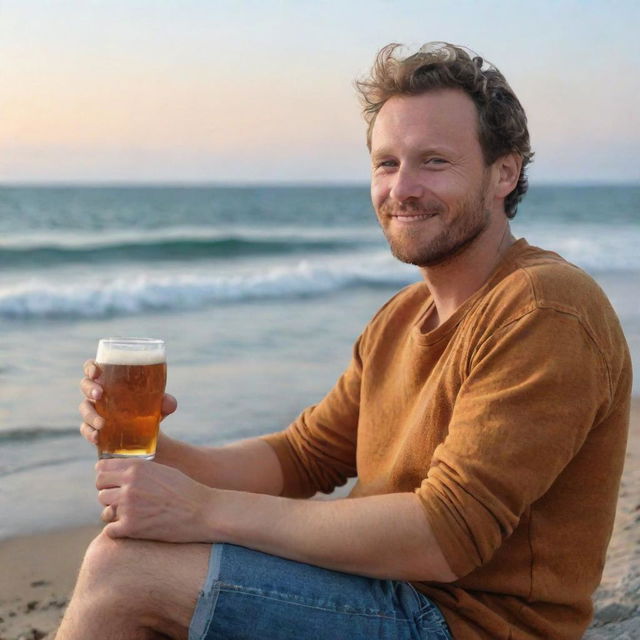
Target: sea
[{"x": 258, "y": 291}]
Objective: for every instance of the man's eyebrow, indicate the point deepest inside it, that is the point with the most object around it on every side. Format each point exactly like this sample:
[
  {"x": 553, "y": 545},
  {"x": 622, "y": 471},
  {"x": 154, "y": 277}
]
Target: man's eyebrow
[
  {"x": 381, "y": 151},
  {"x": 431, "y": 150}
]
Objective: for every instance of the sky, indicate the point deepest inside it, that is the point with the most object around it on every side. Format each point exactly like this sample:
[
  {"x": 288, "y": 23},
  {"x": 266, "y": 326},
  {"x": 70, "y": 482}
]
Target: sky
[{"x": 252, "y": 91}]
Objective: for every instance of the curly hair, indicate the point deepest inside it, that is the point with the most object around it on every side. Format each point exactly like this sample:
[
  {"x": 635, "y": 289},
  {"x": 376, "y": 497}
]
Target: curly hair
[{"x": 502, "y": 123}]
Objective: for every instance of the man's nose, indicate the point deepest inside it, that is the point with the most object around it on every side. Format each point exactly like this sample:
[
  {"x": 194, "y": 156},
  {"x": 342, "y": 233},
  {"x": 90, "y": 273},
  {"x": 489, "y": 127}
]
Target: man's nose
[{"x": 406, "y": 184}]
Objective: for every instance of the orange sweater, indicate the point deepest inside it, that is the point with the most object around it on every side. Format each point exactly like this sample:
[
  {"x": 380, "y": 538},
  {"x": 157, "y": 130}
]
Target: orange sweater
[{"x": 509, "y": 421}]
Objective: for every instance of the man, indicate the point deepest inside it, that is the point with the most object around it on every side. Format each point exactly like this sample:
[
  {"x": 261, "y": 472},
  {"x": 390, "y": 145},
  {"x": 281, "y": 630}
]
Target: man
[{"x": 484, "y": 413}]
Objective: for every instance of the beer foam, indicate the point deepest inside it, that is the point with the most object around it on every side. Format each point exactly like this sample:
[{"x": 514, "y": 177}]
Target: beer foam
[{"x": 141, "y": 352}]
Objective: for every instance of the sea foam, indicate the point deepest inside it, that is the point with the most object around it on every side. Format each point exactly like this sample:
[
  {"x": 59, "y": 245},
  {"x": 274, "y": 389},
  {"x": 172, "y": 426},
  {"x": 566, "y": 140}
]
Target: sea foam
[{"x": 128, "y": 294}]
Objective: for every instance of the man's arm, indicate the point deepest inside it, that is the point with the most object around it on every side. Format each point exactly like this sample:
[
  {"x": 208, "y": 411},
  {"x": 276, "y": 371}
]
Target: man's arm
[
  {"x": 385, "y": 536},
  {"x": 247, "y": 465}
]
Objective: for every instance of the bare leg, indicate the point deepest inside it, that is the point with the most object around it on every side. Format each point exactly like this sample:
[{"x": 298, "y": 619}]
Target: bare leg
[{"x": 135, "y": 590}]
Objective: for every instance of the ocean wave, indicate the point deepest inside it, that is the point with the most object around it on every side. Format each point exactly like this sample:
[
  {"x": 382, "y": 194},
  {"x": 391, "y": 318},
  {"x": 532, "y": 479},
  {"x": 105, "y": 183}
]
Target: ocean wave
[
  {"x": 162, "y": 250},
  {"x": 26, "y": 466},
  {"x": 594, "y": 248},
  {"x": 129, "y": 294},
  {"x": 29, "y": 434},
  {"x": 178, "y": 243}
]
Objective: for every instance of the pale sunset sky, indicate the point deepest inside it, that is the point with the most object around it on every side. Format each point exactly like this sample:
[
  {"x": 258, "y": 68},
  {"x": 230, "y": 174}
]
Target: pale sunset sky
[{"x": 250, "y": 91}]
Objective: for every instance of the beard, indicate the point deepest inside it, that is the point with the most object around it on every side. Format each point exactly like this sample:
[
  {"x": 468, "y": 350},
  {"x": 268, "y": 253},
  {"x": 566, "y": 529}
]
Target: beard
[{"x": 418, "y": 246}]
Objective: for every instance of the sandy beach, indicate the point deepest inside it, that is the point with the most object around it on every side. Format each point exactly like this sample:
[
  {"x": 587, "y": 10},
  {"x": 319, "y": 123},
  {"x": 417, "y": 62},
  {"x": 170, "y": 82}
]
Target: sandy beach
[{"x": 38, "y": 571}]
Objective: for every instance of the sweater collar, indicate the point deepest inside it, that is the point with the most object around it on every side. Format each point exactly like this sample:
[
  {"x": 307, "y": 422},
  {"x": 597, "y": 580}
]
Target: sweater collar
[{"x": 502, "y": 269}]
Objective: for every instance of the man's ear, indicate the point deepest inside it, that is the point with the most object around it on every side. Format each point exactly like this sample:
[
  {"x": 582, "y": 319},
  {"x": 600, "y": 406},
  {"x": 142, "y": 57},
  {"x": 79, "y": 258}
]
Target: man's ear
[{"x": 507, "y": 170}]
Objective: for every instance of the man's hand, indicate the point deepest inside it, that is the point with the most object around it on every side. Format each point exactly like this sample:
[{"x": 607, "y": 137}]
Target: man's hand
[
  {"x": 92, "y": 422},
  {"x": 149, "y": 500}
]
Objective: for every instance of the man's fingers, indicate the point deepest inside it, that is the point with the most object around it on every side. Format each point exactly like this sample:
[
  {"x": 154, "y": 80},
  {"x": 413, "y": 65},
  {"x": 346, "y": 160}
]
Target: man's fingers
[
  {"x": 89, "y": 433},
  {"x": 91, "y": 369},
  {"x": 107, "y": 497},
  {"x": 113, "y": 472},
  {"x": 169, "y": 405},
  {"x": 108, "y": 514},
  {"x": 120, "y": 464},
  {"x": 115, "y": 530},
  {"x": 108, "y": 480},
  {"x": 91, "y": 390},
  {"x": 91, "y": 421},
  {"x": 90, "y": 415}
]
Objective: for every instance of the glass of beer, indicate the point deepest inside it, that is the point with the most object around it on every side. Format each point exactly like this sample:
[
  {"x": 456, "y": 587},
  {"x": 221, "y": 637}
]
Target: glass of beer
[{"x": 133, "y": 374}]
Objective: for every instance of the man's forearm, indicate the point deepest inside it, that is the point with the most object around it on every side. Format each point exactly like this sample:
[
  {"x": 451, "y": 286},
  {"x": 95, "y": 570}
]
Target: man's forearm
[
  {"x": 249, "y": 465},
  {"x": 385, "y": 536}
]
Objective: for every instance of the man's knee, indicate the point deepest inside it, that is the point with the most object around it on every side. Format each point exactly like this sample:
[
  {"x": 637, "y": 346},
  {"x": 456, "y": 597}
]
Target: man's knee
[
  {"x": 105, "y": 557},
  {"x": 105, "y": 573},
  {"x": 155, "y": 581}
]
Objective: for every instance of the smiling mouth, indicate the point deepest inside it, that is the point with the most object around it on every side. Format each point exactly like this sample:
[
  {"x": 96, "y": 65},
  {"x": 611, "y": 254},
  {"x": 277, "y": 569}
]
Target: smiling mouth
[{"x": 412, "y": 217}]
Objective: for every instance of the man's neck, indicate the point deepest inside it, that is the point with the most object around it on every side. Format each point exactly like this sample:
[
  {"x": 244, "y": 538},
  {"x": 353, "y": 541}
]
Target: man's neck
[{"x": 453, "y": 282}]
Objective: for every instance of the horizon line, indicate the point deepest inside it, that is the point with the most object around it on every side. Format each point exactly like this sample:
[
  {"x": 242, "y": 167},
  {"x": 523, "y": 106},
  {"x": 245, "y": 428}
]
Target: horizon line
[{"x": 97, "y": 184}]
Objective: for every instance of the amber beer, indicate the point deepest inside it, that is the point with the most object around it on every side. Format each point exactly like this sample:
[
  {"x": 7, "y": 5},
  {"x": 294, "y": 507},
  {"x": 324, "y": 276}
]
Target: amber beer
[{"x": 133, "y": 373}]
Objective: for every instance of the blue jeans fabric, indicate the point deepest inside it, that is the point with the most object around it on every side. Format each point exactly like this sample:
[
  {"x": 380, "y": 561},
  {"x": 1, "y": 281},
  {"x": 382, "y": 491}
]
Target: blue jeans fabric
[{"x": 249, "y": 594}]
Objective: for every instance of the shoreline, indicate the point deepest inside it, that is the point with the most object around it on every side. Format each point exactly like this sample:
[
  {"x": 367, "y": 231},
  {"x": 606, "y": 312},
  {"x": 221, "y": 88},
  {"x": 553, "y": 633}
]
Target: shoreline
[{"x": 38, "y": 570}]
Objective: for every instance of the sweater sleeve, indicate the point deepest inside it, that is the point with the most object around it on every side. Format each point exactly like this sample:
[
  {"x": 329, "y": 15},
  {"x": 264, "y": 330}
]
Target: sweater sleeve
[
  {"x": 532, "y": 393},
  {"x": 317, "y": 451}
]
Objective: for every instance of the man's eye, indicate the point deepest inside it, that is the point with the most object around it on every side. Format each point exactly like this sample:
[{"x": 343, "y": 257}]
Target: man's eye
[
  {"x": 435, "y": 161},
  {"x": 385, "y": 164}
]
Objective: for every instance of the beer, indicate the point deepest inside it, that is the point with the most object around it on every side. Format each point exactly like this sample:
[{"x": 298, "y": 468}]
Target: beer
[{"x": 133, "y": 373}]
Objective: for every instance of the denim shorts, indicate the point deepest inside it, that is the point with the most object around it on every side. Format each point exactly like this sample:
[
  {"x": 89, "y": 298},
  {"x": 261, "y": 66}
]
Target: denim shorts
[{"x": 249, "y": 594}]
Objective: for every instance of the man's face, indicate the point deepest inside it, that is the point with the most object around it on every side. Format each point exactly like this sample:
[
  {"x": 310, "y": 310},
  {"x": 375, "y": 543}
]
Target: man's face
[{"x": 429, "y": 183}]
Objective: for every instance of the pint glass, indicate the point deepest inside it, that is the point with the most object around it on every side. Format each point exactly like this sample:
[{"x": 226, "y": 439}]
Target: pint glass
[{"x": 133, "y": 373}]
